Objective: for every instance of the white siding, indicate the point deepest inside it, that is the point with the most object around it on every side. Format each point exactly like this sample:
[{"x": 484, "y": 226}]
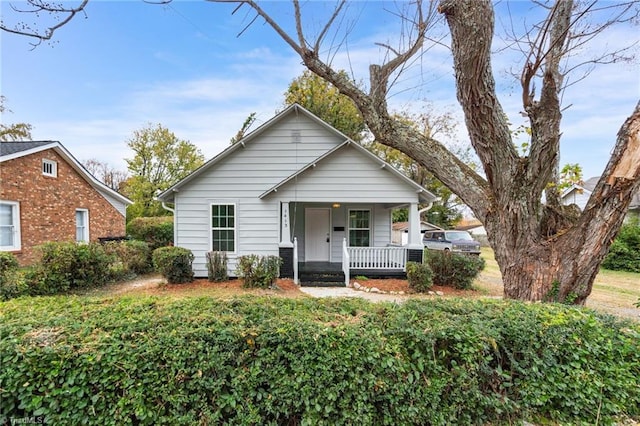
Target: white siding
[
  {"x": 240, "y": 178},
  {"x": 579, "y": 198},
  {"x": 347, "y": 176}
]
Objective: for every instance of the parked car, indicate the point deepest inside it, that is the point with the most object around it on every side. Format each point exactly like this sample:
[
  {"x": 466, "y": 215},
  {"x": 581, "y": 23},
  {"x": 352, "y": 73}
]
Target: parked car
[{"x": 453, "y": 241}]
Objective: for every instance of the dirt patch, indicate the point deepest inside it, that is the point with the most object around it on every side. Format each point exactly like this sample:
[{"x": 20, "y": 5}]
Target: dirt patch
[{"x": 204, "y": 287}]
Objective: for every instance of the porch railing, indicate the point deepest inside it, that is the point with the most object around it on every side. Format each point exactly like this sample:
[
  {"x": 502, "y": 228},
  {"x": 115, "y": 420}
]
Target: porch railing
[
  {"x": 376, "y": 257},
  {"x": 345, "y": 262},
  {"x": 296, "y": 280}
]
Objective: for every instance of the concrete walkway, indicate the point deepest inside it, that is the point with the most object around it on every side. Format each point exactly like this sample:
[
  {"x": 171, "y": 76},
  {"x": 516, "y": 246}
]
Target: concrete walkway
[{"x": 350, "y": 292}]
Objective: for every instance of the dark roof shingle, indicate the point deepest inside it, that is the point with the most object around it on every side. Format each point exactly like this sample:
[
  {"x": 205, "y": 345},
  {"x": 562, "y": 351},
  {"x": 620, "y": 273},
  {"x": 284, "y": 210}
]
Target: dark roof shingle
[{"x": 8, "y": 148}]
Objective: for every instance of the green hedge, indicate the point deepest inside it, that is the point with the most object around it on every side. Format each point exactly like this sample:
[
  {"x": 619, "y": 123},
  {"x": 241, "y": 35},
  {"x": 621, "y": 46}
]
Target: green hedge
[
  {"x": 155, "y": 231},
  {"x": 247, "y": 361},
  {"x": 67, "y": 266},
  {"x": 624, "y": 253}
]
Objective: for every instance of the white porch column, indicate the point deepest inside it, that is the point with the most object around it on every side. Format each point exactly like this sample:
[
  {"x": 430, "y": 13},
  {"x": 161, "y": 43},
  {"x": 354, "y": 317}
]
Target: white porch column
[
  {"x": 285, "y": 226},
  {"x": 414, "y": 240}
]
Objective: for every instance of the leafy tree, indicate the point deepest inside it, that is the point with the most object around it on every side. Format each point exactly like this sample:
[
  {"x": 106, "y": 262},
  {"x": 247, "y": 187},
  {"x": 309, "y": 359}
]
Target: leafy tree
[
  {"x": 13, "y": 132},
  {"x": 323, "y": 99},
  {"x": 107, "y": 174},
  {"x": 160, "y": 160}
]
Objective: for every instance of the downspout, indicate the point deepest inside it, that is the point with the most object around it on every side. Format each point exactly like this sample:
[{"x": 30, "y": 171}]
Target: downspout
[
  {"x": 173, "y": 212},
  {"x": 167, "y": 208}
]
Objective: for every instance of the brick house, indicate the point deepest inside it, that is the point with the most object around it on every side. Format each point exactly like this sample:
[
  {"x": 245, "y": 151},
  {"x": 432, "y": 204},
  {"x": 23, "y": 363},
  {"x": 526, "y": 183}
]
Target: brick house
[{"x": 47, "y": 195}]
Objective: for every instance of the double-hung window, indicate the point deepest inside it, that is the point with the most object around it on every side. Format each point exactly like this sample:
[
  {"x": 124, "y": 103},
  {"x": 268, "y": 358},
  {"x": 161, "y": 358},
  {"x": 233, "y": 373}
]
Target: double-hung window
[
  {"x": 359, "y": 228},
  {"x": 223, "y": 227},
  {"x": 9, "y": 226},
  {"x": 82, "y": 225}
]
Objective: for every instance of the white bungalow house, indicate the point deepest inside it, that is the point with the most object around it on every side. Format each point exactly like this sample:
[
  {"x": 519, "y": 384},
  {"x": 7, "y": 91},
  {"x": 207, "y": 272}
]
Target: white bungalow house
[{"x": 298, "y": 188}]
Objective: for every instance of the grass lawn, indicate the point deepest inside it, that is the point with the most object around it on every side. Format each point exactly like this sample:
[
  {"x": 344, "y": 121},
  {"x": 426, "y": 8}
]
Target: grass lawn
[{"x": 613, "y": 291}]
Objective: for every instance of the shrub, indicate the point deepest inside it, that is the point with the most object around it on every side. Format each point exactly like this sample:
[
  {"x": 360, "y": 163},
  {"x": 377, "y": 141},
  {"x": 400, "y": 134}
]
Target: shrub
[
  {"x": 217, "y": 266},
  {"x": 8, "y": 262},
  {"x": 13, "y": 284},
  {"x": 133, "y": 256},
  {"x": 419, "y": 276},
  {"x": 624, "y": 253},
  {"x": 66, "y": 266},
  {"x": 174, "y": 263},
  {"x": 155, "y": 231},
  {"x": 251, "y": 361},
  {"x": 258, "y": 271},
  {"x": 454, "y": 270}
]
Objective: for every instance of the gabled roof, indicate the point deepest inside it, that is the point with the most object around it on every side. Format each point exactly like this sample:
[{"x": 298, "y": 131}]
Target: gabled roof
[
  {"x": 249, "y": 138},
  {"x": 423, "y": 194},
  {"x": 12, "y": 150}
]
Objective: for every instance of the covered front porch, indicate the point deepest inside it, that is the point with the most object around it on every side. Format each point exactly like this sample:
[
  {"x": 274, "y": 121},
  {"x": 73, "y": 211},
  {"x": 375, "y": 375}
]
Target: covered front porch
[{"x": 328, "y": 243}]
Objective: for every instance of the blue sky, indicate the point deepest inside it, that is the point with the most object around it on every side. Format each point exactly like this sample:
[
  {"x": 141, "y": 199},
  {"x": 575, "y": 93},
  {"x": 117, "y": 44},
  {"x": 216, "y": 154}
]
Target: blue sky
[{"x": 129, "y": 63}]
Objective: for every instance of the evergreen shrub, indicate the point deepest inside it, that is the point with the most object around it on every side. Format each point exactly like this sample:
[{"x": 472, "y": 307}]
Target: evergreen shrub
[
  {"x": 174, "y": 263},
  {"x": 12, "y": 282},
  {"x": 67, "y": 266},
  {"x": 419, "y": 276},
  {"x": 454, "y": 270},
  {"x": 252, "y": 360}
]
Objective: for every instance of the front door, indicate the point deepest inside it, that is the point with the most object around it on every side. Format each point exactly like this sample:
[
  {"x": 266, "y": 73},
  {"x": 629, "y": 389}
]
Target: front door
[{"x": 316, "y": 234}]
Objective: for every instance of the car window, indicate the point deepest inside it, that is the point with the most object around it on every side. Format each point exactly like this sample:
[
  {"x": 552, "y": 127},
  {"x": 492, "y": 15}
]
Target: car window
[{"x": 459, "y": 235}]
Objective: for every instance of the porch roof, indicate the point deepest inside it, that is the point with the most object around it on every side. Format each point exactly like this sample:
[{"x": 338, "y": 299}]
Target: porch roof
[{"x": 423, "y": 194}]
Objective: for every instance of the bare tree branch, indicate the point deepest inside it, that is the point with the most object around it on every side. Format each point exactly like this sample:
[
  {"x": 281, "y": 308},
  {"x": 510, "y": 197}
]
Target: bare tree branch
[{"x": 60, "y": 13}]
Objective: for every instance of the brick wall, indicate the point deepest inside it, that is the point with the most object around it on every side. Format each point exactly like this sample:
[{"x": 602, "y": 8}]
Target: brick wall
[{"x": 48, "y": 205}]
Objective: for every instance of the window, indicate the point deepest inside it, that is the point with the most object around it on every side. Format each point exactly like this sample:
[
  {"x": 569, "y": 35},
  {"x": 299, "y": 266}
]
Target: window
[
  {"x": 49, "y": 168},
  {"x": 9, "y": 226},
  {"x": 82, "y": 225},
  {"x": 359, "y": 228},
  {"x": 223, "y": 227}
]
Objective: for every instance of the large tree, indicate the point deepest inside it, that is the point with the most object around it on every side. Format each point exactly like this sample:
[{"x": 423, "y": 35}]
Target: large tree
[
  {"x": 160, "y": 160},
  {"x": 540, "y": 245}
]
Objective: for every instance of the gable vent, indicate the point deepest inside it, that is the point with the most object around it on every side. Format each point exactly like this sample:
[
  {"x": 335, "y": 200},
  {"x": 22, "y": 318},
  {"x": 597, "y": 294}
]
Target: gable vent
[{"x": 296, "y": 136}]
